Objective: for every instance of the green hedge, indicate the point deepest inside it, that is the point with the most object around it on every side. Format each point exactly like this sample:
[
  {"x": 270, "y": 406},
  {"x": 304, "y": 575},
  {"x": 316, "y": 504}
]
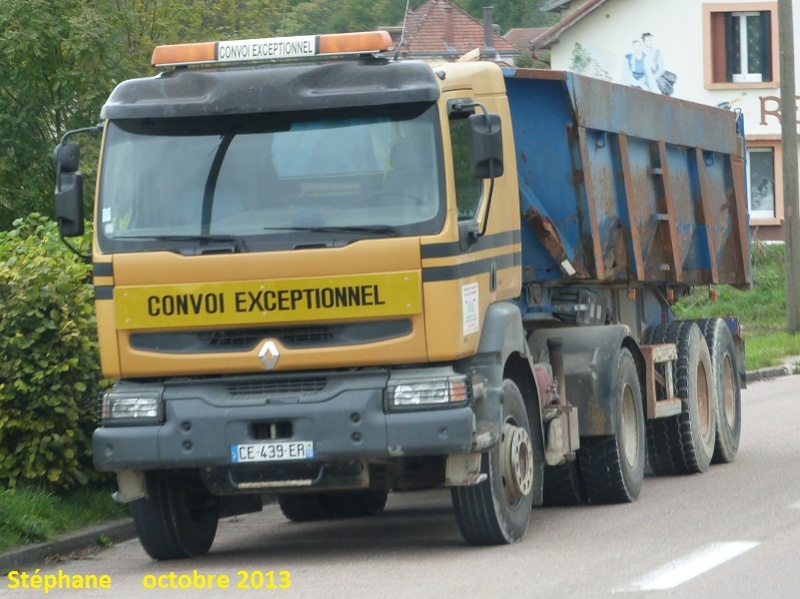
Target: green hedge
[{"x": 49, "y": 363}]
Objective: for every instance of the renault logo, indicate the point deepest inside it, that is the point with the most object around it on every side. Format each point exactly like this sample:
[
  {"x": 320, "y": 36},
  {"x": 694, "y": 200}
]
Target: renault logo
[{"x": 269, "y": 355}]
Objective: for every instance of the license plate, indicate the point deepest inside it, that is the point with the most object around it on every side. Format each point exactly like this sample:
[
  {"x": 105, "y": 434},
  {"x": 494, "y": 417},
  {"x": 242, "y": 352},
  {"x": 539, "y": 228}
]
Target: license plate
[{"x": 272, "y": 452}]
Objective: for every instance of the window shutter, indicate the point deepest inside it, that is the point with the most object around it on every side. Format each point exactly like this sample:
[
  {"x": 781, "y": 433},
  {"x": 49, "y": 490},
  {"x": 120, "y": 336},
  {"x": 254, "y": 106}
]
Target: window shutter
[
  {"x": 733, "y": 62},
  {"x": 718, "y": 48},
  {"x": 766, "y": 46}
]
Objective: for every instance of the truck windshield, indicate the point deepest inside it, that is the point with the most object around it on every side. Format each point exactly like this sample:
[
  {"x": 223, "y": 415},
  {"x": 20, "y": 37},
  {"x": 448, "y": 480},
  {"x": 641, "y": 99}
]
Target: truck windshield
[{"x": 272, "y": 181}]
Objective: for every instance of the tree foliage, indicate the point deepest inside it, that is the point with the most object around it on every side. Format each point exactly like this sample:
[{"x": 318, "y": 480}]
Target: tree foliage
[
  {"x": 59, "y": 60},
  {"x": 44, "y": 62},
  {"x": 336, "y": 16},
  {"x": 511, "y": 14}
]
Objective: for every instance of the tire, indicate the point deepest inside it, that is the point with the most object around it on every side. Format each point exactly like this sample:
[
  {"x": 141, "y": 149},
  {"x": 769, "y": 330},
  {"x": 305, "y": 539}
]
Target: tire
[
  {"x": 563, "y": 486},
  {"x": 305, "y": 507},
  {"x": 497, "y": 511},
  {"x": 178, "y": 519},
  {"x": 612, "y": 467},
  {"x": 684, "y": 444},
  {"x": 725, "y": 364},
  {"x": 654, "y": 335},
  {"x": 357, "y": 504}
]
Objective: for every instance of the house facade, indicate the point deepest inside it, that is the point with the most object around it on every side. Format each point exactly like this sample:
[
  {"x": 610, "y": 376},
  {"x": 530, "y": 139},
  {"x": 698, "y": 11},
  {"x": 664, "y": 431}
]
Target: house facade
[{"x": 719, "y": 53}]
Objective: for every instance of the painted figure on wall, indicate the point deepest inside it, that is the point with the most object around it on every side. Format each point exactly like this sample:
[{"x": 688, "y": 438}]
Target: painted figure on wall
[
  {"x": 654, "y": 55},
  {"x": 637, "y": 71},
  {"x": 644, "y": 67},
  {"x": 665, "y": 80}
]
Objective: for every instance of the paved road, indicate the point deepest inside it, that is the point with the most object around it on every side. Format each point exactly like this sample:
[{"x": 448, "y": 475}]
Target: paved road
[{"x": 733, "y": 532}]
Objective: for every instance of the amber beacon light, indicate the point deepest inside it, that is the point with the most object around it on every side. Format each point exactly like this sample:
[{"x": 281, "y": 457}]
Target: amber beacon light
[{"x": 274, "y": 48}]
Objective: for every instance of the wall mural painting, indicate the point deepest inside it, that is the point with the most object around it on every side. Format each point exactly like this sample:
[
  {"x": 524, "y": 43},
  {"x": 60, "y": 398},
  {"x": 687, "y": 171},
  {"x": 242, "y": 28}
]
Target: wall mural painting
[
  {"x": 589, "y": 60},
  {"x": 643, "y": 65}
]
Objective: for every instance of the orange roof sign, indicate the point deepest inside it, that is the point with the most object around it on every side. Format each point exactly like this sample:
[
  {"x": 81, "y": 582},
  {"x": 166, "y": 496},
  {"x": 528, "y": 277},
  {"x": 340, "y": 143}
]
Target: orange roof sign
[{"x": 275, "y": 48}]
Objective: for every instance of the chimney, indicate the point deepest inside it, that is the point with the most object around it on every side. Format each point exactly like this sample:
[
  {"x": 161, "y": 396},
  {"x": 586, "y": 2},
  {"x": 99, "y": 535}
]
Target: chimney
[
  {"x": 488, "y": 30},
  {"x": 448, "y": 27}
]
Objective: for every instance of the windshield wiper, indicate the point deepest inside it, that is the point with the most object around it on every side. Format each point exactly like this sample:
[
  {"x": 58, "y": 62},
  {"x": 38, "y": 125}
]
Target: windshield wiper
[
  {"x": 238, "y": 242},
  {"x": 386, "y": 230}
]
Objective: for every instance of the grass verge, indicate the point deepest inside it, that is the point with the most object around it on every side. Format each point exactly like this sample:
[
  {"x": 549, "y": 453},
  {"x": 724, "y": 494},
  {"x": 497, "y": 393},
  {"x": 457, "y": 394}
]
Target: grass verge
[
  {"x": 762, "y": 310},
  {"x": 32, "y": 516}
]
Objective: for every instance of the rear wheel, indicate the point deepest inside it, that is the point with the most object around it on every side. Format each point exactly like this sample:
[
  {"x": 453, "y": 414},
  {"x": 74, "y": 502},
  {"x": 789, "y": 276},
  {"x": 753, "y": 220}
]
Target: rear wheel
[
  {"x": 684, "y": 444},
  {"x": 305, "y": 507},
  {"x": 357, "y": 504},
  {"x": 724, "y": 362},
  {"x": 612, "y": 467},
  {"x": 563, "y": 485},
  {"x": 178, "y": 519},
  {"x": 497, "y": 511}
]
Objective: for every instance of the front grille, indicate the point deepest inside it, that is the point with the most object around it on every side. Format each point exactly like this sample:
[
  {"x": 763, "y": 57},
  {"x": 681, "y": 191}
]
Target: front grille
[
  {"x": 272, "y": 388},
  {"x": 249, "y": 338},
  {"x": 245, "y": 340}
]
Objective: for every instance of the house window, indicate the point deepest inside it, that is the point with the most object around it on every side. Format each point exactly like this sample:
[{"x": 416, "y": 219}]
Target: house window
[
  {"x": 764, "y": 182},
  {"x": 761, "y": 182},
  {"x": 747, "y": 52},
  {"x": 741, "y": 44}
]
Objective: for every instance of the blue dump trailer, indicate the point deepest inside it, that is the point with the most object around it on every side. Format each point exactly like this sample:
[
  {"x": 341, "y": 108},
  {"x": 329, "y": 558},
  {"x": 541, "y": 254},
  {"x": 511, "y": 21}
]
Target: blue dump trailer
[
  {"x": 624, "y": 187},
  {"x": 330, "y": 275},
  {"x": 628, "y": 199}
]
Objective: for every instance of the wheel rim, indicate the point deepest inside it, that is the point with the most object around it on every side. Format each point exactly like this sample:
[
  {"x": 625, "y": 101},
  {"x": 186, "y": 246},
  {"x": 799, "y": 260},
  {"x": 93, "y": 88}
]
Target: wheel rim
[
  {"x": 729, "y": 391},
  {"x": 630, "y": 427},
  {"x": 516, "y": 457},
  {"x": 703, "y": 400}
]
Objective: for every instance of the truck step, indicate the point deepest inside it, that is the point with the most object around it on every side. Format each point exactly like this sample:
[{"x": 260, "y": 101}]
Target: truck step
[
  {"x": 668, "y": 407},
  {"x": 663, "y": 353}
]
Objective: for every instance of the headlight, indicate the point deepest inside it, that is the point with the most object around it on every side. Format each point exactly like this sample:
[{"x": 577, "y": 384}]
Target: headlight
[
  {"x": 131, "y": 408},
  {"x": 413, "y": 389}
]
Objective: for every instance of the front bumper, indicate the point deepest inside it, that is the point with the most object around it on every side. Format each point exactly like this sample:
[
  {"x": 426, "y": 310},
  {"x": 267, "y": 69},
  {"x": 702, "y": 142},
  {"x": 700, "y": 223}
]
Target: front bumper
[{"x": 346, "y": 422}]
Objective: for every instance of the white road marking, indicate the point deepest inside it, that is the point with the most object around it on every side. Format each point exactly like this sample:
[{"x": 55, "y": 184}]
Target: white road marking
[
  {"x": 680, "y": 570},
  {"x": 795, "y": 506}
]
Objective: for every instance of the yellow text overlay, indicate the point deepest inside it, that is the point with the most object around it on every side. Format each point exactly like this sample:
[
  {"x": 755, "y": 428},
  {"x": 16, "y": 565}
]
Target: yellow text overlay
[
  {"x": 244, "y": 579},
  {"x": 58, "y": 581}
]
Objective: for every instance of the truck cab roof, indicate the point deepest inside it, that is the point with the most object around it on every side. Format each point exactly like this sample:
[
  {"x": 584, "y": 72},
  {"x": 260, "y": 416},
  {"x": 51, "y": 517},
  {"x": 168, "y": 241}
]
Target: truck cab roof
[{"x": 331, "y": 84}]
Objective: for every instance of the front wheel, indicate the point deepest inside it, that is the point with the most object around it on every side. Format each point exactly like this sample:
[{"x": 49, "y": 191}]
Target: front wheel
[
  {"x": 178, "y": 519},
  {"x": 497, "y": 511}
]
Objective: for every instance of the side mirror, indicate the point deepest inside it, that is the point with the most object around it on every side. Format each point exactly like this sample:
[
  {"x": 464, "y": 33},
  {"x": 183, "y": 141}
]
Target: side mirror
[
  {"x": 69, "y": 204},
  {"x": 69, "y": 190},
  {"x": 486, "y": 146},
  {"x": 67, "y": 156}
]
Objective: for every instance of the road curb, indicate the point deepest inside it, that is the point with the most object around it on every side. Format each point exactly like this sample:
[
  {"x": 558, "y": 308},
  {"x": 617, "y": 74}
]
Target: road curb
[
  {"x": 764, "y": 374},
  {"x": 95, "y": 536}
]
